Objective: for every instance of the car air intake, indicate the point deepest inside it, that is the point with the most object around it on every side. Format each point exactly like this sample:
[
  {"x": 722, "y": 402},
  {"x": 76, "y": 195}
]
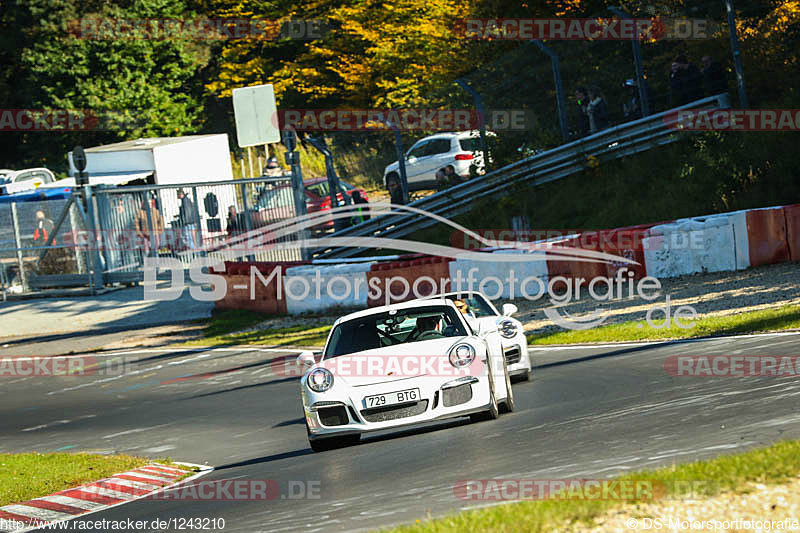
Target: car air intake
[
  {"x": 335, "y": 415},
  {"x": 393, "y": 412},
  {"x": 513, "y": 355},
  {"x": 457, "y": 395}
]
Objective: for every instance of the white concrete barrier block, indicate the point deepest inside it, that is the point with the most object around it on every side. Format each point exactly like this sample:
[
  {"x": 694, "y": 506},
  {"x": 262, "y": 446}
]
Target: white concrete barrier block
[
  {"x": 495, "y": 278},
  {"x": 666, "y": 256},
  {"x": 713, "y": 249},
  {"x": 738, "y": 220},
  {"x": 710, "y": 248},
  {"x": 316, "y": 288}
]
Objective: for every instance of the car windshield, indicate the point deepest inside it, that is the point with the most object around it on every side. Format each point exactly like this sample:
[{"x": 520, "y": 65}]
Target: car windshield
[
  {"x": 321, "y": 188},
  {"x": 476, "y": 303},
  {"x": 394, "y": 327},
  {"x": 273, "y": 198}
]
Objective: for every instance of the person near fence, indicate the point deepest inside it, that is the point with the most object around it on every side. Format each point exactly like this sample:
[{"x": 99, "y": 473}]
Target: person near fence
[
  {"x": 273, "y": 169},
  {"x": 685, "y": 82},
  {"x": 582, "y": 123},
  {"x": 632, "y": 107},
  {"x": 143, "y": 231},
  {"x": 236, "y": 224},
  {"x": 361, "y": 213},
  {"x": 441, "y": 180},
  {"x": 597, "y": 110},
  {"x": 452, "y": 176},
  {"x": 714, "y": 81},
  {"x": 186, "y": 218},
  {"x": 44, "y": 229},
  {"x": 395, "y": 191}
]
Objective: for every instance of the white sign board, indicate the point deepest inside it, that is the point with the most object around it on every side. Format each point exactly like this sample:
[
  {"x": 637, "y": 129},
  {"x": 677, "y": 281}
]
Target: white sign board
[{"x": 256, "y": 115}]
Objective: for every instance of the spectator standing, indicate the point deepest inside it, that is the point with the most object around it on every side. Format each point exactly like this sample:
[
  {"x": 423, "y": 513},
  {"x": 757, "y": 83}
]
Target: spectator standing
[
  {"x": 632, "y": 107},
  {"x": 395, "y": 191},
  {"x": 685, "y": 82},
  {"x": 44, "y": 229},
  {"x": 143, "y": 231},
  {"x": 361, "y": 213},
  {"x": 441, "y": 180},
  {"x": 597, "y": 110},
  {"x": 452, "y": 177},
  {"x": 714, "y": 81},
  {"x": 235, "y": 224},
  {"x": 582, "y": 99},
  {"x": 186, "y": 217},
  {"x": 273, "y": 169}
]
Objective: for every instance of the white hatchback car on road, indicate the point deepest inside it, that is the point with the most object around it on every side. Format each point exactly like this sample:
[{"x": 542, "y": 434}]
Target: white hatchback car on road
[
  {"x": 398, "y": 365},
  {"x": 461, "y": 150}
]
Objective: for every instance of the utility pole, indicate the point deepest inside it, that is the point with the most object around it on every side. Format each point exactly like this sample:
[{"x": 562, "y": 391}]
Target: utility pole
[{"x": 737, "y": 55}]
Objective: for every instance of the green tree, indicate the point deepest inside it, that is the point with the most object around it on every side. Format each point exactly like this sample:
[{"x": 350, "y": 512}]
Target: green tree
[{"x": 137, "y": 86}]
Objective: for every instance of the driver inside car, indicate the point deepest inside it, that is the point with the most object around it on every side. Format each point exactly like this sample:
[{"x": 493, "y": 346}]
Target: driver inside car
[{"x": 427, "y": 326}]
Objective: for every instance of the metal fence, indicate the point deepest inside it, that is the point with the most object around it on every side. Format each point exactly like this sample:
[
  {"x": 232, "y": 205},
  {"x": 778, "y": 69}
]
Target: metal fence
[
  {"x": 223, "y": 220},
  {"x": 619, "y": 141},
  {"x": 25, "y": 228}
]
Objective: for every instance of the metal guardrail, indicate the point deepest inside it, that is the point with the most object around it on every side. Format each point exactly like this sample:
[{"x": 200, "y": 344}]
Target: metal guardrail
[{"x": 619, "y": 141}]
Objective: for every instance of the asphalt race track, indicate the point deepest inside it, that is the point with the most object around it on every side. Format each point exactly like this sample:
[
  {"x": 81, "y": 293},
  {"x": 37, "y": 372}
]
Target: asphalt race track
[{"x": 588, "y": 412}]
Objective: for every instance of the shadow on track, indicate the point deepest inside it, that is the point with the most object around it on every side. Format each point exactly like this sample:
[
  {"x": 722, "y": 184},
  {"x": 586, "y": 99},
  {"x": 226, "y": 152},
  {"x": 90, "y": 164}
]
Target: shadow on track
[
  {"x": 234, "y": 389},
  {"x": 614, "y": 353},
  {"x": 266, "y": 459}
]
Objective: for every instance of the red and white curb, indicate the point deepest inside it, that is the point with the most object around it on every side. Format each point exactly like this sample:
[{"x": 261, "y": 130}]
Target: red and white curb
[{"x": 110, "y": 492}]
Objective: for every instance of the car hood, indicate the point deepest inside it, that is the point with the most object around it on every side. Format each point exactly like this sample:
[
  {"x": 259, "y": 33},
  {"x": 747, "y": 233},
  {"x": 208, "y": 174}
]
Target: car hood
[{"x": 396, "y": 363}]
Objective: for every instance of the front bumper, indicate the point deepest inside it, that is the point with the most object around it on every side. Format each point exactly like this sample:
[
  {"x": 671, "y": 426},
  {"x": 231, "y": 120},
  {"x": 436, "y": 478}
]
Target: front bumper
[
  {"x": 440, "y": 398},
  {"x": 517, "y": 358}
]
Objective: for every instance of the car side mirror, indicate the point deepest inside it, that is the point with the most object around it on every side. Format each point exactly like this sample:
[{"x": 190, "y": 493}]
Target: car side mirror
[
  {"x": 306, "y": 360},
  {"x": 411, "y": 158},
  {"x": 509, "y": 309}
]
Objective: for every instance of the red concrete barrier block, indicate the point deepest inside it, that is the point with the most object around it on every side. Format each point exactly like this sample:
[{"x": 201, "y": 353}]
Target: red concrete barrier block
[
  {"x": 628, "y": 243},
  {"x": 417, "y": 275},
  {"x": 265, "y": 296},
  {"x": 235, "y": 299},
  {"x": 573, "y": 268},
  {"x": 792, "y": 214},
  {"x": 766, "y": 233}
]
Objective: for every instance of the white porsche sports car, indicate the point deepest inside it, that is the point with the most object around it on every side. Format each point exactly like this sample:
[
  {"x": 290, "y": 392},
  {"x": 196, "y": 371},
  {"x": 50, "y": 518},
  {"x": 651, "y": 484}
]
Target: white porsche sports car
[
  {"x": 399, "y": 365},
  {"x": 478, "y": 307}
]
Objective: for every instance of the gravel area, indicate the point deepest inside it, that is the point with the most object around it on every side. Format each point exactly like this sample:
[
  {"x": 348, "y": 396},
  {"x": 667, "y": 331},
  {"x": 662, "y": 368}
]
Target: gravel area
[
  {"x": 719, "y": 293},
  {"x": 757, "y": 503}
]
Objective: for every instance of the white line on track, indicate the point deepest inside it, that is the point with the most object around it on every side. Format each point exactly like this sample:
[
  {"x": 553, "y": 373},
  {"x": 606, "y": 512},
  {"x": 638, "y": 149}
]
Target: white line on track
[
  {"x": 662, "y": 342},
  {"x": 137, "y": 430}
]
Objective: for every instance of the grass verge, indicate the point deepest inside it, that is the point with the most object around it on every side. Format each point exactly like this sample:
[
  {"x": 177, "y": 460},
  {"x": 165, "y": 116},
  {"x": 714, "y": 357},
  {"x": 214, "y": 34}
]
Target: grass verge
[
  {"x": 781, "y": 318},
  {"x": 775, "y": 464},
  {"x": 24, "y": 476},
  {"x": 231, "y": 327}
]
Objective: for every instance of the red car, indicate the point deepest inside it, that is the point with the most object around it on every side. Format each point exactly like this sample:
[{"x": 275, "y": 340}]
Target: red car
[{"x": 277, "y": 203}]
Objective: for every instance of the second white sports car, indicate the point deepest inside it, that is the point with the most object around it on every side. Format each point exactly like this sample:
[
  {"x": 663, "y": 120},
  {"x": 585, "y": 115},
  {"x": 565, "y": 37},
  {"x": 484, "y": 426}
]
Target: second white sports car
[{"x": 512, "y": 337}]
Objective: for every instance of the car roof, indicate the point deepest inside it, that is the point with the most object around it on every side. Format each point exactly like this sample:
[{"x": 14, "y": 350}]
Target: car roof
[
  {"x": 314, "y": 181},
  {"x": 398, "y": 307}
]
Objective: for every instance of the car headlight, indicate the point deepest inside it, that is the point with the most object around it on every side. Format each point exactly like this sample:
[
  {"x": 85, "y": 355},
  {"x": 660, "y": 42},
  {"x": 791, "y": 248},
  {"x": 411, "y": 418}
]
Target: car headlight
[
  {"x": 319, "y": 380},
  {"x": 462, "y": 355},
  {"x": 507, "y": 328}
]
